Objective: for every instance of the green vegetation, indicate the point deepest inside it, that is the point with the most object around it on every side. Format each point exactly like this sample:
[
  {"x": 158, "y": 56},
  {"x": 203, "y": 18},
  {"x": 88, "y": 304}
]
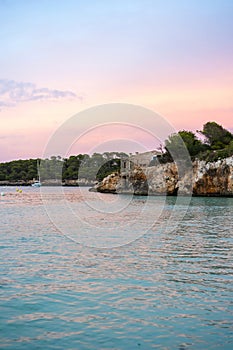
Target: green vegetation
[
  {"x": 82, "y": 166},
  {"x": 217, "y": 144},
  {"x": 94, "y": 167},
  {"x": 18, "y": 170},
  {"x": 216, "y": 136}
]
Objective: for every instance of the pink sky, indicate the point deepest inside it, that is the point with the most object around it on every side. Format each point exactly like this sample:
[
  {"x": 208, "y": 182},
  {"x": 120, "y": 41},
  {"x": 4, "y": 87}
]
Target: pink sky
[{"x": 174, "y": 60}]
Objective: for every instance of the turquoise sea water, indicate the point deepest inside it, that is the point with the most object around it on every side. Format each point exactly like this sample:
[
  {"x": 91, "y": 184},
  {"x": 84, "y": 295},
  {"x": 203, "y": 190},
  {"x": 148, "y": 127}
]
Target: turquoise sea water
[{"x": 164, "y": 290}]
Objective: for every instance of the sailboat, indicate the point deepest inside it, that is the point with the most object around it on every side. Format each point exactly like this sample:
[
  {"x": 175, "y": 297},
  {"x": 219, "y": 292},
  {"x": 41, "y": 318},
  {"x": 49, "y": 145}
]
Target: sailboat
[{"x": 37, "y": 183}]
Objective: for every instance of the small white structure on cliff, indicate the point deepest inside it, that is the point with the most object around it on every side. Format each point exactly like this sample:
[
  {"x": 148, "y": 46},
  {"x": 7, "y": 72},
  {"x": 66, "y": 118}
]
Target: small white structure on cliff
[{"x": 138, "y": 160}]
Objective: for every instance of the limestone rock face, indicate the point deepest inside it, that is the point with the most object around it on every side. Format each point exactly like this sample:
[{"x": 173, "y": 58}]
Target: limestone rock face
[
  {"x": 204, "y": 179},
  {"x": 109, "y": 184},
  {"x": 214, "y": 178},
  {"x": 162, "y": 179}
]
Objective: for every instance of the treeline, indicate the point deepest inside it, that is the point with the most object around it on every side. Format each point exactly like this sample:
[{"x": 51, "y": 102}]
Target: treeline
[
  {"x": 94, "y": 167},
  {"x": 82, "y": 166},
  {"x": 17, "y": 170},
  {"x": 215, "y": 142}
]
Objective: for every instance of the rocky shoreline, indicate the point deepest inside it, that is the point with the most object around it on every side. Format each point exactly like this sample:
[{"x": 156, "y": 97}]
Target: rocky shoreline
[{"x": 203, "y": 179}]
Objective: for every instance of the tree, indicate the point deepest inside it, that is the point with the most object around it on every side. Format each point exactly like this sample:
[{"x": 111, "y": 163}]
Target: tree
[
  {"x": 176, "y": 143},
  {"x": 192, "y": 143},
  {"x": 216, "y": 136}
]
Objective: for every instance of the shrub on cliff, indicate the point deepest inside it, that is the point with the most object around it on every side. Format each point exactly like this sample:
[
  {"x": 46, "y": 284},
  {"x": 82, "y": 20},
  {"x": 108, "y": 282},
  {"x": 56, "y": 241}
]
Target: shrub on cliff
[
  {"x": 216, "y": 136},
  {"x": 218, "y": 144},
  {"x": 175, "y": 143}
]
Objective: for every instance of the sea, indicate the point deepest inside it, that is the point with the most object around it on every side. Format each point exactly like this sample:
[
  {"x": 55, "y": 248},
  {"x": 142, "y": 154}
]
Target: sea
[{"x": 83, "y": 270}]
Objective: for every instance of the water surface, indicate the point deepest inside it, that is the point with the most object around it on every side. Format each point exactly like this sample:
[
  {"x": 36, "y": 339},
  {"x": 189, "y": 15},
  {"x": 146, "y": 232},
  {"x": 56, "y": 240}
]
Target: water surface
[{"x": 165, "y": 290}]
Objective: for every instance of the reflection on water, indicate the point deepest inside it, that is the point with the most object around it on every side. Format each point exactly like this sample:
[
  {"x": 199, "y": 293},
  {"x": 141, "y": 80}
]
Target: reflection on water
[{"x": 166, "y": 290}]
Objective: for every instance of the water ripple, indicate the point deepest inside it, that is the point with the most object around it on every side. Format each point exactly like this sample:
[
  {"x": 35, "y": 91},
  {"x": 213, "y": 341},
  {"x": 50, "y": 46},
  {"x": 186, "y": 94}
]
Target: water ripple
[{"x": 163, "y": 291}]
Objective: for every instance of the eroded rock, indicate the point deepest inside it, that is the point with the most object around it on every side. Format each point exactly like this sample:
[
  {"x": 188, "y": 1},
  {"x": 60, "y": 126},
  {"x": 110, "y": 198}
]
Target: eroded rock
[{"x": 204, "y": 179}]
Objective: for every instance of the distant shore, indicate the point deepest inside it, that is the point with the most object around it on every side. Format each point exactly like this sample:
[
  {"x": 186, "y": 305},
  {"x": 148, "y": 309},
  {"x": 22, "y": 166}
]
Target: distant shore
[{"x": 68, "y": 183}]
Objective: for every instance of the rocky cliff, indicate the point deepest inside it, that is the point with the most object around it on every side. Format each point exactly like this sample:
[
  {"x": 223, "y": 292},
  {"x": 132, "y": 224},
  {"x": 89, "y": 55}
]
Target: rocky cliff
[{"x": 203, "y": 179}]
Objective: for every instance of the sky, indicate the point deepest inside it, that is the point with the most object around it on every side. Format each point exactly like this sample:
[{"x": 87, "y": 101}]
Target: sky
[{"x": 58, "y": 58}]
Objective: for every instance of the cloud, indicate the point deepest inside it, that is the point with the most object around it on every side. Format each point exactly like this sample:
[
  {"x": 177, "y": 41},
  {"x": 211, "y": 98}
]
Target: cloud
[{"x": 13, "y": 92}]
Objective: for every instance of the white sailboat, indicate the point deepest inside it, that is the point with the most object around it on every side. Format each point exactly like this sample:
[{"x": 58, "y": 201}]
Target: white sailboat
[{"x": 37, "y": 183}]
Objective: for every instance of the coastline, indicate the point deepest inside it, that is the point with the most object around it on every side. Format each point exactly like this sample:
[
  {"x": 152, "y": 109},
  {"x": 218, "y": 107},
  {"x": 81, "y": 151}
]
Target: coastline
[{"x": 203, "y": 179}]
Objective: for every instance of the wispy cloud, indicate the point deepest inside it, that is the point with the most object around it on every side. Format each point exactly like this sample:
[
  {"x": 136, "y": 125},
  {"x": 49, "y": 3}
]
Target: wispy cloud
[{"x": 13, "y": 92}]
